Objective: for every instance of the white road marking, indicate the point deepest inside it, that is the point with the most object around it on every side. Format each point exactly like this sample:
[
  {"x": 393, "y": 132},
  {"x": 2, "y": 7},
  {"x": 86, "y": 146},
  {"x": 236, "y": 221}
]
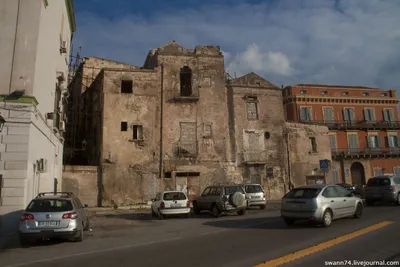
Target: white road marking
[{"x": 93, "y": 252}]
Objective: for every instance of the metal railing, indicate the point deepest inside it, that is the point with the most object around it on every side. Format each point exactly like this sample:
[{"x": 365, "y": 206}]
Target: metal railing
[
  {"x": 176, "y": 96},
  {"x": 366, "y": 152},
  {"x": 185, "y": 148},
  {"x": 255, "y": 157},
  {"x": 354, "y": 125}
]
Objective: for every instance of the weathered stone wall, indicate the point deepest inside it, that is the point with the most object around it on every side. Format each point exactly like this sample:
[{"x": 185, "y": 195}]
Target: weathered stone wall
[
  {"x": 257, "y": 142},
  {"x": 303, "y": 160},
  {"x": 82, "y": 181}
]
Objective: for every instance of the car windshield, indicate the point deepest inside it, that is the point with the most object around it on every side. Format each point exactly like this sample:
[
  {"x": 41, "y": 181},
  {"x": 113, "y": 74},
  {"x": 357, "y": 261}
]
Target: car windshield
[
  {"x": 233, "y": 189},
  {"x": 303, "y": 193},
  {"x": 174, "y": 196},
  {"x": 49, "y": 205},
  {"x": 378, "y": 182},
  {"x": 253, "y": 189}
]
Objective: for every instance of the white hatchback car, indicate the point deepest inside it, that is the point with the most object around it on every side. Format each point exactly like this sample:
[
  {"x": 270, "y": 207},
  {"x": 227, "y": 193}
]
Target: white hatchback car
[{"x": 170, "y": 203}]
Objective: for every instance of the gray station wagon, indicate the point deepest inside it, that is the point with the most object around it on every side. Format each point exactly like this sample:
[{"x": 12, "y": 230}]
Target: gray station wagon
[
  {"x": 384, "y": 188},
  {"x": 60, "y": 215}
]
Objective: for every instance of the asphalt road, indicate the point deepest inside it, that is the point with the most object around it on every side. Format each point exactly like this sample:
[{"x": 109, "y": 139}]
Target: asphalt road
[{"x": 233, "y": 241}]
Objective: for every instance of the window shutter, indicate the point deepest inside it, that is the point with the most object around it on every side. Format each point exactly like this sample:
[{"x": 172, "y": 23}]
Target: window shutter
[
  {"x": 308, "y": 110},
  {"x": 369, "y": 142},
  {"x": 379, "y": 141},
  {"x": 372, "y": 114},
  {"x": 390, "y": 140},
  {"x": 391, "y": 115},
  {"x": 351, "y": 114},
  {"x": 398, "y": 141},
  {"x": 366, "y": 117},
  {"x": 345, "y": 115},
  {"x": 396, "y": 171},
  {"x": 302, "y": 114},
  {"x": 385, "y": 115},
  {"x": 332, "y": 140}
]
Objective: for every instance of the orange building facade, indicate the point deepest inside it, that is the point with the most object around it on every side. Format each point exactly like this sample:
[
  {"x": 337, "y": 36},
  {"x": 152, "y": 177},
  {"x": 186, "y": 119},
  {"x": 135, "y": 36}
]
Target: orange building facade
[{"x": 364, "y": 127}]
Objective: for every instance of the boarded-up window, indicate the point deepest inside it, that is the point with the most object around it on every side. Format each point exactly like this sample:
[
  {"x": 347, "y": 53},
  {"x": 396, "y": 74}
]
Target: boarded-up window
[
  {"x": 137, "y": 132},
  {"x": 252, "y": 110},
  {"x": 188, "y": 131}
]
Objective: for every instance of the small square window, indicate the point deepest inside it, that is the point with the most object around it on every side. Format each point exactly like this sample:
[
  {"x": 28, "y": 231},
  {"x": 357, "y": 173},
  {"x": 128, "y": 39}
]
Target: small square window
[
  {"x": 167, "y": 175},
  {"x": 303, "y": 92},
  {"x": 270, "y": 172},
  {"x": 365, "y": 94},
  {"x": 137, "y": 132},
  {"x": 126, "y": 86},
  {"x": 345, "y": 93},
  {"x": 324, "y": 92},
  {"x": 384, "y": 94},
  {"x": 124, "y": 126}
]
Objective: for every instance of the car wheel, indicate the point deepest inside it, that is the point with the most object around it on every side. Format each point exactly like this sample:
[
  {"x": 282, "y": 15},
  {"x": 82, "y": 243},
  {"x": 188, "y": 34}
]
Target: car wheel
[
  {"x": 359, "y": 211},
  {"x": 263, "y": 207},
  {"x": 79, "y": 237},
  {"x": 196, "y": 209},
  {"x": 216, "y": 213},
  {"x": 327, "y": 218},
  {"x": 398, "y": 199},
  {"x": 160, "y": 216},
  {"x": 289, "y": 221},
  {"x": 242, "y": 212}
]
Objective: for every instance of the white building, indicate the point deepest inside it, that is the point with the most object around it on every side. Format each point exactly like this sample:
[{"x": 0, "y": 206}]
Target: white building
[{"x": 35, "y": 37}]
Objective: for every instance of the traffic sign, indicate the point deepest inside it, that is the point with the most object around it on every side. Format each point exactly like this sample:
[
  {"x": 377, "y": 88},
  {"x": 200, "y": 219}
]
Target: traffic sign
[{"x": 324, "y": 164}]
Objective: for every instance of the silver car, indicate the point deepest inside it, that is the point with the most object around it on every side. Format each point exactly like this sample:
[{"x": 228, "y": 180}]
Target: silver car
[
  {"x": 255, "y": 195},
  {"x": 385, "y": 188},
  {"x": 320, "y": 203},
  {"x": 50, "y": 215}
]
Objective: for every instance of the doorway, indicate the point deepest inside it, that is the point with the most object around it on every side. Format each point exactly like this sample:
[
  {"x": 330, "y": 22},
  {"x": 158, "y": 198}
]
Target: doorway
[{"x": 357, "y": 174}]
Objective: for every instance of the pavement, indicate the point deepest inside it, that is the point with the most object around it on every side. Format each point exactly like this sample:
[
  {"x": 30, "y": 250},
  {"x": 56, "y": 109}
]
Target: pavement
[{"x": 234, "y": 241}]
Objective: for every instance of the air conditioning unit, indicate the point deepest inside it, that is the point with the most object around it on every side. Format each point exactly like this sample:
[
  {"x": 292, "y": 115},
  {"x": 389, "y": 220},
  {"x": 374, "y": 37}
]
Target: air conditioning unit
[
  {"x": 50, "y": 116},
  {"x": 63, "y": 47},
  {"x": 62, "y": 126},
  {"x": 42, "y": 165}
]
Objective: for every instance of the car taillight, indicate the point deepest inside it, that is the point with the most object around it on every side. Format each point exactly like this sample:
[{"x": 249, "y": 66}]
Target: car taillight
[
  {"x": 27, "y": 217},
  {"x": 392, "y": 187},
  {"x": 188, "y": 204},
  {"x": 162, "y": 205},
  {"x": 70, "y": 215}
]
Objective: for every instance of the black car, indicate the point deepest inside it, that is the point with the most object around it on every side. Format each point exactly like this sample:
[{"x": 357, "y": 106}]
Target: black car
[{"x": 349, "y": 187}]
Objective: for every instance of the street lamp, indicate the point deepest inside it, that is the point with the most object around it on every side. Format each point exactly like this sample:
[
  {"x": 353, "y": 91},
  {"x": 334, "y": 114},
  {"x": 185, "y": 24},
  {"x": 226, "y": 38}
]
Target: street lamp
[{"x": 2, "y": 122}]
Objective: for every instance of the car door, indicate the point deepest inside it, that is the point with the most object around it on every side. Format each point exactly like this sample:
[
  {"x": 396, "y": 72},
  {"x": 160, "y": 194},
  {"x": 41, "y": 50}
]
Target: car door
[
  {"x": 348, "y": 204},
  {"x": 333, "y": 201},
  {"x": 202, "y": 199},
  {"x": 82, "y": 210}
]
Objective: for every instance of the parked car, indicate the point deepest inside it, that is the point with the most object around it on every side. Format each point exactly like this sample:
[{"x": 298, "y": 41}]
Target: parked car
[
  {"x": 255, "y": 195},
  {"x": 51, "y": 215},
  {"x": 221, "y": 198},
  {"x": 170, "y": 203},
  {"x": 384, "y": 188},
  {"x": 349, "y": 187},
  {"x": 320, "y": 203}
]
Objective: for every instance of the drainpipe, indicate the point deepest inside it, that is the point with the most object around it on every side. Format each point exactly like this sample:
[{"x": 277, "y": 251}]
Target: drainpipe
[
  {"x": 288, "y": 161},
  {"x": 160, "y": 167}
]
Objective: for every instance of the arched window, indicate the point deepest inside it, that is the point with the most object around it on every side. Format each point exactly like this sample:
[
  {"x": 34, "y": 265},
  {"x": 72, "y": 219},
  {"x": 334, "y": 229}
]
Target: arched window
[{"x": 186, "y": 81}]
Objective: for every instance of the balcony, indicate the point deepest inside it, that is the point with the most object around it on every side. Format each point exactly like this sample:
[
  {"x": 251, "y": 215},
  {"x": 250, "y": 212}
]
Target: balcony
[
  {"x": 185, "y": 149},
  {"x": 357, "y": 125},
  {"x": 347, "y": 153},
  {"x": 175, "y": 96},
  {"x": 255, "y": 157}
]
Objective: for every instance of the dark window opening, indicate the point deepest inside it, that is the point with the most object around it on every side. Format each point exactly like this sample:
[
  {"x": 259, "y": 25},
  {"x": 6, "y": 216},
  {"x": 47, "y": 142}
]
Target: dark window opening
[
  {"x": 187, "y": 174},
  {"x": 126, "y": 86},
  {"x": 324, "y": 92},
  {"x": 345, "y": 93},
  {"x": 270, "y": 172},
  {"x": 137, "y": 132},
  {"x": 124, "y": 126},
  {"x": 186, "y": 81},
  {"x": 313, "y": 144},
  {"x": 365, "y": 94},
  {"x": 168, "y": 175},
  {"x": 303, "y": 92},
  {"x": 384, "y": 94}
]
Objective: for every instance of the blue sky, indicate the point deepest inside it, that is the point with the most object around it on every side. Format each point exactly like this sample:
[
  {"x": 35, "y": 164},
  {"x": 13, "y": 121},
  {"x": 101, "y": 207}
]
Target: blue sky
[{"x": 347, "y": 42}]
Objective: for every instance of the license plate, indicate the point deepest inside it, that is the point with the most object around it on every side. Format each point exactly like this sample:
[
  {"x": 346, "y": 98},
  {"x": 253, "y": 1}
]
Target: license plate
[
  {"x": 176, "y": 205},
  {"x": 255, "y": 197},
  {"x": 53, "y": 223}
]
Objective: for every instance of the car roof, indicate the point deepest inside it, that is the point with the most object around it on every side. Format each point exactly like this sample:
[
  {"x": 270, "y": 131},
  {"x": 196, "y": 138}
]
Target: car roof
[
  {"x": 172, "y": 191},
  {"x": 54, "y": 197},
  {"x": 382, "y": 177},
  {"x": 250, "y": 184},
  {"x": 312, "y": 186}
]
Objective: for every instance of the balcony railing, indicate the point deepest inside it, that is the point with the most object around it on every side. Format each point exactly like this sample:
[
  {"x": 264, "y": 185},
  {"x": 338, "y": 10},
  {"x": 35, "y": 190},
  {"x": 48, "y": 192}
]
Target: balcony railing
[
  {"x": 365, "y": 152},
  {"x": 357, "y": 125},
  {"x": 185, "y": 149},
  {"x": 176, "y": 96},
  {"x": 255, "y": 157}
]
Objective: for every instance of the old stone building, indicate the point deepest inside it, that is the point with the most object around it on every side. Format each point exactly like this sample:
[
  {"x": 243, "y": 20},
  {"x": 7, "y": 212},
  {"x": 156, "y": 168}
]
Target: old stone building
[{"x": 179, "y": 122}]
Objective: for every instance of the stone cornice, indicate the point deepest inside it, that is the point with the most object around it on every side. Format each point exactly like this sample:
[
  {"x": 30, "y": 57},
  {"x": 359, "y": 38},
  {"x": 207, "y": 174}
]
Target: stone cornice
[{"x": 342, "y": 100}]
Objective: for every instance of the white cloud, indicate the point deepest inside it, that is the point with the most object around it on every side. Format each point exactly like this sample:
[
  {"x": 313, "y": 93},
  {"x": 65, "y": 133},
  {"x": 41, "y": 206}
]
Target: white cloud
[{"x": 301, "y": 41}]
